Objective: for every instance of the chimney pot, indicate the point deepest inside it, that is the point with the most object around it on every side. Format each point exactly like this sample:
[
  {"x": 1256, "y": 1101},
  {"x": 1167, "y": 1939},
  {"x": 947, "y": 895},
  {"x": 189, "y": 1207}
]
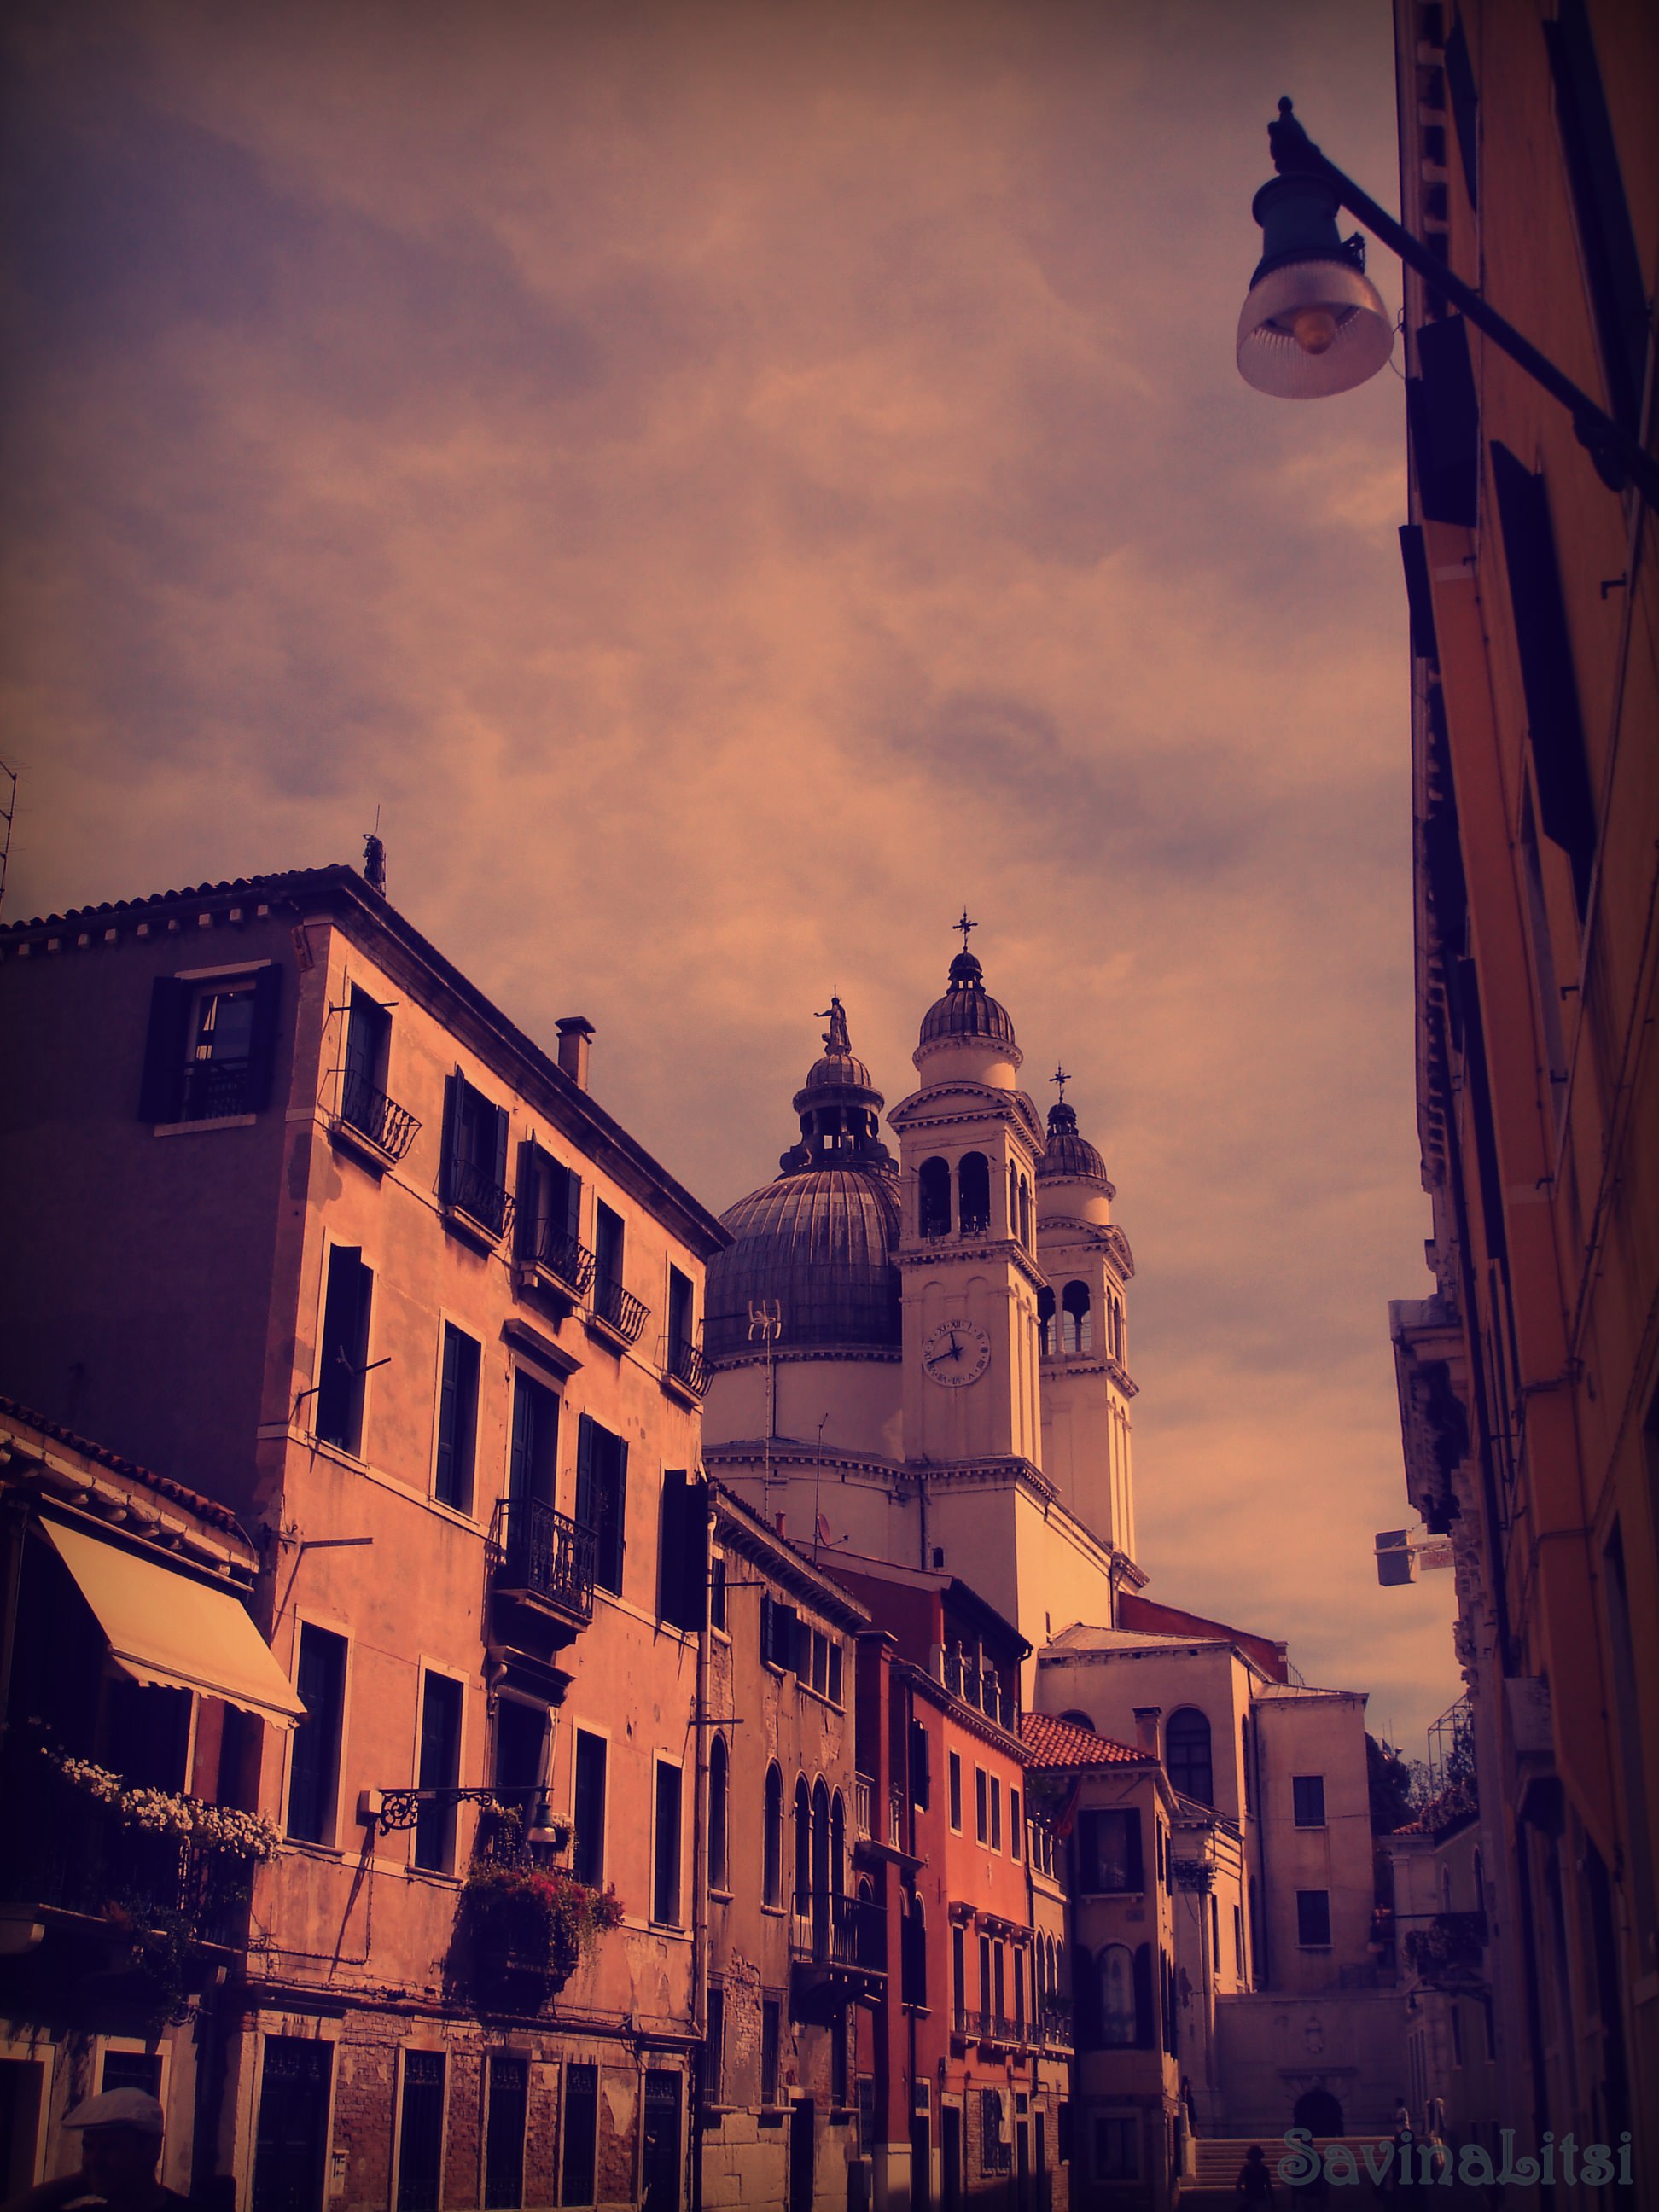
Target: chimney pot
[
  {"x": 1146, "y": 1720},
  {"x": 575, "y": 1030}
]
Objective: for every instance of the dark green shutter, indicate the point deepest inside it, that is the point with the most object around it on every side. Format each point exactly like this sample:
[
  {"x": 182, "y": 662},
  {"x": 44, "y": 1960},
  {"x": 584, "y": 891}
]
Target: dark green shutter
[
  {"x": 165, "y": 1048},
  {"x": 262, "y": 1046},
  {"x": 454, "y": 1091},
  {"x": 584, "y": 1428}
]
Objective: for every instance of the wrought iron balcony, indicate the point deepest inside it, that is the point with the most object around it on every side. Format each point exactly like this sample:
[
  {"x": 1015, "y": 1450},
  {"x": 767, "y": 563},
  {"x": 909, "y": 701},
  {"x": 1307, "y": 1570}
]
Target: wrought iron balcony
[
  {"x": 389, "y": 1127},
  {"x": 687, "y": 1365},
  {"x": 850, "y": 1931},
  {"x": 1053, "y": 2030},
  {"x": 542, "y": 1558},
  {"x": 213, "y": 1089},
  {"x": 1449, "y": 1949},
  {"x": 551, "y": 1251},
  {"x": 471, "y": 1191},
  {"x": 619, "y": 1310}
]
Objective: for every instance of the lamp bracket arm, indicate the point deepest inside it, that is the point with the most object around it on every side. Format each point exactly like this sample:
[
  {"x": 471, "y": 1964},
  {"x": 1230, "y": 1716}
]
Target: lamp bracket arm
[{"x": 1619, "y": 460}]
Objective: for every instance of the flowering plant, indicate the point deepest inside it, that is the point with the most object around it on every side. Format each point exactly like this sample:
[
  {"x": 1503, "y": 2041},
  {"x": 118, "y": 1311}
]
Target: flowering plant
[
  {"x": 537, "y": 1920},
  {"x": 219, "y": 1828}
]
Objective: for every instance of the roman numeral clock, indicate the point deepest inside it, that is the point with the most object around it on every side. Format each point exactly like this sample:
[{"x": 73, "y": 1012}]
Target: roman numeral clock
[{"x": 956, "y": 1354}]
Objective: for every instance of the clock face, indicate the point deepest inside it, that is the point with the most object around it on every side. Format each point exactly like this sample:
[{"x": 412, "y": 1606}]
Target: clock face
[{"x": 956, "y": 1354}]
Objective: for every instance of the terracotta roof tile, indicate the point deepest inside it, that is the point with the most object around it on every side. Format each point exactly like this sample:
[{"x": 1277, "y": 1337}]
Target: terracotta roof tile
[{"x": 1062, "y": 1743}]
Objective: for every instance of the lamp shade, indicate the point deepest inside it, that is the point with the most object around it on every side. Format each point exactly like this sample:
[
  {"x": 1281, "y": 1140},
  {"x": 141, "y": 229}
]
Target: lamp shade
[{"x": 1311, "y": 328}]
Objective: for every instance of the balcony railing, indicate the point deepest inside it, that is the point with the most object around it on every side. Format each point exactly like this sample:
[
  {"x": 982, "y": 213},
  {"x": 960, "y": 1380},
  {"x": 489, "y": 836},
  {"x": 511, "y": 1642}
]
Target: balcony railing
[
  {"x": 471, "y": 1191},
  {"x": 687, "y": 1365},
  {"x": 1053, "y": 2027},
  {"x": 213, "y": 1090},
  {"x": 1449, "y": 1948},
  {"x": 391, "y": 1128},
  {"x": 538, "y": 1553},
  {"x": 619, "y": 1310},
  {"x": 560, "y": 1256},
  {"x": 838, "y": 1931},
  {"x": 67, "y": 1849},
  {"x": 975, "y": 1224},
  {"x": 982, "y": 1687}
]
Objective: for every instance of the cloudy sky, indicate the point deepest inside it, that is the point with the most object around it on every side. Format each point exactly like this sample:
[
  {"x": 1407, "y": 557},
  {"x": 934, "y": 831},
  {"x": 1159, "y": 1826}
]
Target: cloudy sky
[{"x": 731, "y": 481}]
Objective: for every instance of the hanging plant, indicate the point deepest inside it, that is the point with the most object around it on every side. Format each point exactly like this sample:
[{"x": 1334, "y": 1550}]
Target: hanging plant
[
  {"x": 533, "y": 1924},
  {"x": 222, "y": 1829}
]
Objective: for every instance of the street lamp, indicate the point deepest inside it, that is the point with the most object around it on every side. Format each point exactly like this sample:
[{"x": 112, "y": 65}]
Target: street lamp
[{"x": 1313, "y": 325}]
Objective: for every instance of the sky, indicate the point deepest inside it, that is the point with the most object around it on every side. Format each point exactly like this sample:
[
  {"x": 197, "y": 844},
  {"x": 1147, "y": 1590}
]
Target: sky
[{"x": 727, "y": 485}]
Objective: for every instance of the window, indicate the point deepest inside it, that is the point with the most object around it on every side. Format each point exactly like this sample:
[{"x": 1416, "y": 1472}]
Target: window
[
  {"x": 1119, "y": 2023},
  {"x": 913, "y": 1962},
  {"x": 1076, "y": 1325},
  {"x": 343, "y": 1354},
  {"x": 985, "y": 1978},
  {"x": 601, "y": 1498},
  {"x": 1246, "y": 1762},
  {"x": 973, "y": 1195},
  {"x": 1117, "y": 2147},
  {"x": 993, "y": 2144},
  {"x": 474, "y": 1180},
  {"x": 933, "y": 1199},
  {"x": 921, "y": 1766},
  {"x": 981, "y": 1805},
  {"x": 834, "y": 1691},
  {"x": 1313, "y": 1919},
  {"x": 714, "y": 2046},
  {"x": 840, "y": 2028},
  {"x": 1110, "y": 1852},
  {"x": 718, "y": 1779},
  {"x": 313, "y": 1769},
  {"x": 532, "y": 1465},
  {"x": 579, "y": 2159},
  {"x": 1308, "y": 1798},
  {"x": 458, "y": 1418},
  {"x": 504, "y": 2133},
  {"x": 1013, "y": 1823},
  {"x": 959, "y": 1972},
  {"x": 956, "y": 1791},
  {"x": 1186, "y": 1754},
  {"x": 772, "y": 1843},
  {"x": 362, "y": 1089},
  {"x": 440, "y": 1769},
  {"x": 778, "y": 1623},
  {"x": 291, "y": 2137},
  {"x": 518, "y": 1766},
  {"x": 665, "y": 1848},
  {"x": 420, "y": 2132},
  {"x": 587, "y": 1811},
  {"x": 682, "y": 1551},
  {"x": 1238, "y": 1941},
  {"x": 996, "y": 1814},
  {"x": 770, "y": 2021},
  {"x": 211, "y": 1046},
  {"x": 820, "y": 1663},
  {"x": 998, "y": 1994},
  {"x": 1045, "y": 1322},
  {"x": 717, "y": 1592}
]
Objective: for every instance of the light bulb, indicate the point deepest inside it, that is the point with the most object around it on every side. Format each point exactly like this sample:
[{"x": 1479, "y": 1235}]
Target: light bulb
[{"x": 1313, "y": 328}]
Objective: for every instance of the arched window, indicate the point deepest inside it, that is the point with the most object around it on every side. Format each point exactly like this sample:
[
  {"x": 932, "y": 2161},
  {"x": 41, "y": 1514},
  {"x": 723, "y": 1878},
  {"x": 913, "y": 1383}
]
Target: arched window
[
  {"x": 1250, "y": 1769},
  {"x": 803, "y": 1897},
  {"x": 913, "y": 1963},
  {"x": 1077, "y": 1323},
  {"x": 772, "y": 1853},
  {"x": 1114, "y": 1316},
  {"x": 871, "y": 1942},
  {"x": 1445, "y": 1889},
  {"x": 719, "y": 1872},
  {"x": 838, "y": 1846},
  {"x": 1117, "y": 1997},
  {"x": 1013, "y": 1200},
  {"x": 1086, "y": 2011},
  {"x": 1045, "y": 1322},
  {"x": 1186, "y": 1754},
  {"x": 1079, "y": 1720},
  {"x": 820, "y": 1864},
  {"x": 933, "y": 1199},
  {"x": 973, "y": 1193},
  {"x": 1025, "y": 1213}
]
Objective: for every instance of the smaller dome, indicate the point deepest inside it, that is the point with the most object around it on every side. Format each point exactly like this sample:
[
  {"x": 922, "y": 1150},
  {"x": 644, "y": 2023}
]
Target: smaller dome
[
  {"x": 1066, "y": 1153},
  {"x": 967, "y": 1008},
  {"x": 838, "y": 1070}
]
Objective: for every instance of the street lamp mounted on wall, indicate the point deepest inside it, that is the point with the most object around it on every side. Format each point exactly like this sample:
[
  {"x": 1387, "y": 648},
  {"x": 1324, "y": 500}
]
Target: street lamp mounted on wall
[{"x": 1314, "y": 324}]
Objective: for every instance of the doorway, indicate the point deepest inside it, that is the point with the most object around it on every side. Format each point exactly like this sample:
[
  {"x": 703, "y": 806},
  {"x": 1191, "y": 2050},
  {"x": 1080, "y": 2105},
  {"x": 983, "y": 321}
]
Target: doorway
[
  {"x": 1318, "y": 2112},
  {"x": 291, "y": 2146},
  {"x": 801, "y": 2175},
  {"x": 921, "y": 2164},
  {"x": 949, "y": 2120},
  {"x": 659, "y": 2147}
]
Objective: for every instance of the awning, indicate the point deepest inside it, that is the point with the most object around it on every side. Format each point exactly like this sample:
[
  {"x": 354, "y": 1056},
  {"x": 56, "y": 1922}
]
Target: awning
[{"x": 171, "y": 1632}]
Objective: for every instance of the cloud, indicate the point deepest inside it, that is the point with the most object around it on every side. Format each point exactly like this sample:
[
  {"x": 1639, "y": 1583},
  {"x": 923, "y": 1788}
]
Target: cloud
[{"x": 731, "y": 482}]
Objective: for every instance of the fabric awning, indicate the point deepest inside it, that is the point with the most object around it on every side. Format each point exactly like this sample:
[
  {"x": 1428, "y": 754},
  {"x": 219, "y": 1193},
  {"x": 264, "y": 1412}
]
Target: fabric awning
[{"x": 171, "y": 1633}]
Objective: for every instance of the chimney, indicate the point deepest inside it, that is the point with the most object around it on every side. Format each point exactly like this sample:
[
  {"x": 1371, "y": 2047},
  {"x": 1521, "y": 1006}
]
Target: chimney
[
  {"x": 1146, "y": 1720},
  {"x": 575, "y": 1030}
]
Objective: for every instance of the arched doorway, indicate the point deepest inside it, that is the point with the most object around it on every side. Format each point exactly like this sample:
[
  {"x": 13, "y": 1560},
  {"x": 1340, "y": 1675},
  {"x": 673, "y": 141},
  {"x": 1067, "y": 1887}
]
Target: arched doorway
[{"x": 1318, "y": 2112}]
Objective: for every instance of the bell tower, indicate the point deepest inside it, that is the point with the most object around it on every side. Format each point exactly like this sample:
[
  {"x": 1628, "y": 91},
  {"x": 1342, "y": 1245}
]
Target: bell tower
[
  {"x": 968, "y": 1141},
  {"x": 1084, "y": 1315}
]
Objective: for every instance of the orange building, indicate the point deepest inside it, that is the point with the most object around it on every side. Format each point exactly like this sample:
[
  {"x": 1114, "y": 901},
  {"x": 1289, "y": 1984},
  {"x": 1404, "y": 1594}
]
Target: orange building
[{"x": 1529, "y": 1372}]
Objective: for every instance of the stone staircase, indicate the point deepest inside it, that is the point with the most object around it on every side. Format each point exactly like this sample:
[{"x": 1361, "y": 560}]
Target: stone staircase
[{"x": 1218, "y": 2160}]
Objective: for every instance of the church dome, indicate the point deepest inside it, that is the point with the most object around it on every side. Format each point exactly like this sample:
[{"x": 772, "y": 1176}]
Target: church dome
[
  {"x": 967, "y": 1010},
  {"x": 817, "y": 1244},
  {"x": 1066, "y": 1153}
]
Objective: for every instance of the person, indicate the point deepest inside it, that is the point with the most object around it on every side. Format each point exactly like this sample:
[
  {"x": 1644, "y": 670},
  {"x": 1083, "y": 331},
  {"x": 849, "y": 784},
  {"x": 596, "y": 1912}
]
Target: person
[
  {"x": 120, "y": 2134},
  {"x": 1254, "y": 2185}
]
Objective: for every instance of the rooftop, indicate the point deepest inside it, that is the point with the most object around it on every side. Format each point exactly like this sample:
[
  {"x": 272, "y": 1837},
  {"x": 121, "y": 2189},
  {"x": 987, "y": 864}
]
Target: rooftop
[{"x": 1053, "y": 1742}]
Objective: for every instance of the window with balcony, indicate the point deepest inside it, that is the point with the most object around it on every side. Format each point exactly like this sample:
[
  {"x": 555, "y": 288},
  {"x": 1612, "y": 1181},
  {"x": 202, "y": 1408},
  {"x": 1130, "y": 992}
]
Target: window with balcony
[
  {"x": 474, "y": 1181},
  {"x": 587, "y": 1811},
  {"x": 342, "y": 1352},
  {"x": 439, "y": 1769},
  {"x": 685, "y": 1361},
  {"x": 458, "y": 1418},
  {"x": 547, "y": 1214},
  {"x": 533, "y": 1458},
  {"x": 1308, "y": 1799},
  {"x": 682, "y": 1551},
  {"x": 314, "y": 1759},
  {"x": 612, "y": 1305},
  {"x": 601, "y": 1498},
  {"x": 211, "y": 1046},
  {"x": 518, "y": 1765},
  {"x": 378, "y": 1124}
]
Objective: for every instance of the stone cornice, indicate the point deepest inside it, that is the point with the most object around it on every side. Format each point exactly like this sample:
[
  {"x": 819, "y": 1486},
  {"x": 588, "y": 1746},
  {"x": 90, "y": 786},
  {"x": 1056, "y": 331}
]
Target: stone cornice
[
  {"x": 927, "y": 1109},
  {"x": 889, "y": 1354},
  {"x": 1091, "y": 1232},
  {"x": 787, "y": 1453},
  {"x": 1093, "y": 1363},
  {"x": 957, "y": 1252}
]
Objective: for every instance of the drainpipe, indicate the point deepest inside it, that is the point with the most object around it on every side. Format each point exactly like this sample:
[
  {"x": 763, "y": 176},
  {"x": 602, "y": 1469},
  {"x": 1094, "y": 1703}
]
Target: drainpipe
[{"x": 700, "y": 1870}]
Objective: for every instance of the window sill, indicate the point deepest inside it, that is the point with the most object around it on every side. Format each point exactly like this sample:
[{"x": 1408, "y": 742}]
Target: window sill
[
  {"x": 215, "y": 1122},
  {"x": 346, "y": 1137},
  {"x": 461, "y": 1225},
  {"x": 720, "y": 1896},
  {"x": 775, "y": 1911}
]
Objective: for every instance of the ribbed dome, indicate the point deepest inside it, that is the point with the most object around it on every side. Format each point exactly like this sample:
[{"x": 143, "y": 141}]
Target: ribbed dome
[
  {"x": 838, "y": 1070},
  {"x": 967, "y": 1008},
  {"x": 819, "y": 1244},
  {"x": 1066, "y": 1153}
]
